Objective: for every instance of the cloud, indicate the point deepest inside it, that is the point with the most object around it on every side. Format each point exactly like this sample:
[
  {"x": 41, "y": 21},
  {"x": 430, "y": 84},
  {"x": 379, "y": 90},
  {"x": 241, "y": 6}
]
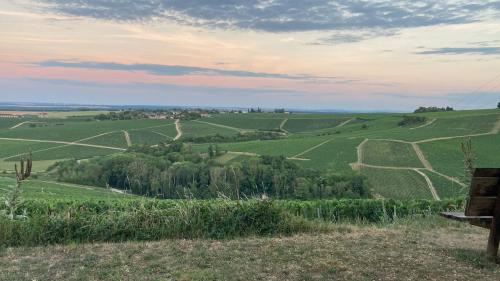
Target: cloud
[
  {"x": 459, "y": 51},
  {"x": 351, "y": 36},
  {"x": 172, "y": 70},
  {"x": 161, "y": 87},
  {"x": 285, "y": 15}
]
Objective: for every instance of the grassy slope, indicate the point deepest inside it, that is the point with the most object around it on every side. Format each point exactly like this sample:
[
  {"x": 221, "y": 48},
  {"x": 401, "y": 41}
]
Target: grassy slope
[
  {"x": 38, "y": 189},
  {"x": 310, "y": 124},
  {"x": 448, "y": 126},
  {"x": 197, "y": 129},
  {"x": 288, "y": 147},
  {"x": 424, "y": 250},
  {"x": 116, "y": 139},
  {"x": 388, "y": 153},
  {"x": 67, "y": 130},
  {"x": 248, "y": 121},
  {"x": 444, "y": 187},
  {"x": 397, "y": 184},
  {"x": 9, "y": 148},
  {"x": 336, "y": 155},
  {"x": 446, "y": 156}
]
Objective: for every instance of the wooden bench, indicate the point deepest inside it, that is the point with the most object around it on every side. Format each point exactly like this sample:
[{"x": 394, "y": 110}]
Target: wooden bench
[{"x": 483, "y": 206}]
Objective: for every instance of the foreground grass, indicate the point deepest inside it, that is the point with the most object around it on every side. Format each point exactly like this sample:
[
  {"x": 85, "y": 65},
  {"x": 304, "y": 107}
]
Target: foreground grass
[{"x": 434, "y": 249}]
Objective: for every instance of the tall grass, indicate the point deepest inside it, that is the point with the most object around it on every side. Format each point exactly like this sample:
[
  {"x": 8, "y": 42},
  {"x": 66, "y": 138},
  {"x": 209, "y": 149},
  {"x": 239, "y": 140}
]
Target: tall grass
[{"x": 63, "y": 221}]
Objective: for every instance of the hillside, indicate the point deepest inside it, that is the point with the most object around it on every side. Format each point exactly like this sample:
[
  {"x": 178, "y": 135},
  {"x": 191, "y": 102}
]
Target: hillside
[
  {"x": 418, "y": 250},
  {"x": 419, "y": 161}
]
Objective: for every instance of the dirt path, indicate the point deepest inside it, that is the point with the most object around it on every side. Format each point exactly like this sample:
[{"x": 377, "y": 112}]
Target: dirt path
[
  {"x": 239, "y": 130},
  {"x": 162, "y": 134},
  {"x": 345, "y": 122},
  {"x": 312, "y": 148},
  {"x": 450, "y": 178},
  {"x": 421, "y": 157},
  {"x": 26, "y": 122},
  {"x": 424, "y": 125},
  {"x": 64, "y": 142},
  {"x": 429, "y": 184},
  {"x": 282, "y": 125},
  {"x": 178, "y": 129},
  {"x": 127, "y": 138},
  {"x": 359, "y": 151},
  {"x": 243, "y": 153},
  {"x": 256, "y": 154},
  {"x": 385, "y": 167}
]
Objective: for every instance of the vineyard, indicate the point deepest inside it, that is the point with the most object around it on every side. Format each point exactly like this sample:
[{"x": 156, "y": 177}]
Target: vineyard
[{"x": 369, "y": 143}]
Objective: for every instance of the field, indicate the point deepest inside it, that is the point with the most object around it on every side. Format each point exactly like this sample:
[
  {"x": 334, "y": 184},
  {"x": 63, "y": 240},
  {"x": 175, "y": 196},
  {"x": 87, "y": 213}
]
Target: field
[
  {"x": 398, "y": 184},
  {"x": 48, "y": 190},
  {"x": 399, "y": 162},
  {"x": 390, "y": 153}
]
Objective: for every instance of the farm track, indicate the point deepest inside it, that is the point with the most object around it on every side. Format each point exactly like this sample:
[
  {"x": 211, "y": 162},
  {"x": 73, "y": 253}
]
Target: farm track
[
  {"x": 424, "y": 125},
  {"x": 282, "y": 125},
  {"x": 64, "y": 142},
  {"x": 239, "y": 130},
  {"x": 345, "y": 123},
  {"x": 82, "y": 186},
  {"x": 421, "y": 157},
  {"x": 78, "y": 142},
  {"x": 312, "y": 148},
  {"x": 178, "y": 129},
  {"x": 60, "y": 146},
  {"x": 127, "y": 138},
  {"x": 162, "y": 134},
  {"x": 25, "y": 122},
  {"x": 429, "y": 184},
  {"x": 256, "y": 154}
]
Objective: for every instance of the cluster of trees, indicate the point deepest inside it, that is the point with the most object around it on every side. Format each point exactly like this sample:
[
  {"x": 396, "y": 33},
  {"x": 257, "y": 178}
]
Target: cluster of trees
[
  {"x": 252, "y": 110},
  {"x": 218, "y": 138},
  {"x": 423, "y": 109},
  {"x": 175, "y": 171},
  {"x": 122, "y": 115},
  {"x": 498, "y": 105},
  {"x": 412, "y": 120}
]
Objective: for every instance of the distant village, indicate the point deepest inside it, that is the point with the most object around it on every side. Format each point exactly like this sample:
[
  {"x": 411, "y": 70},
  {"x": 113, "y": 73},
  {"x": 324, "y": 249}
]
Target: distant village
[
  {"x": 128, "y": 114},
  {"x": 21, "y": 114}
]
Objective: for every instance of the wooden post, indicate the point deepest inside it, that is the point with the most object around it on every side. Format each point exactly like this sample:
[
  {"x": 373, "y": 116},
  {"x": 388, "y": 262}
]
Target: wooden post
[{"x": 494, "y": 238}]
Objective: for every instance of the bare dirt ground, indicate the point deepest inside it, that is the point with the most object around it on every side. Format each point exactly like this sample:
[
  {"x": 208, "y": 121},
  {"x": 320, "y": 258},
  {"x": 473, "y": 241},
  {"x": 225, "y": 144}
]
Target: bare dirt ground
[{"x": 178, "y": 128}]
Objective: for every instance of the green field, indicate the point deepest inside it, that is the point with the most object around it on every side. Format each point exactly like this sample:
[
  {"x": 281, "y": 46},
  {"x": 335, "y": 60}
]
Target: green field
[
  {"x": 398, "y": 184},
  {"x": 198, "y": 129},
  {"x": 390, "y": 153},
  {"x": 247, "y": 121},
  {"x": 39, "y": 189},
  {"x": 296, "y": 125},
  {"x": 310, "y": 140}
]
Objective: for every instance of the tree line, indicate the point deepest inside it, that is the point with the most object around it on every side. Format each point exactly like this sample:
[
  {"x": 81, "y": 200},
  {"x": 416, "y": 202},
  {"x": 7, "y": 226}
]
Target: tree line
[{"x": 175, "y": 171}]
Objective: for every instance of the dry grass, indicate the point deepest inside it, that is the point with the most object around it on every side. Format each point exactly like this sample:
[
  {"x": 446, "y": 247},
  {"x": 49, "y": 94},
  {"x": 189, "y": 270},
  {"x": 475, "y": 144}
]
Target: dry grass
[{"x": 434, "y": 250}]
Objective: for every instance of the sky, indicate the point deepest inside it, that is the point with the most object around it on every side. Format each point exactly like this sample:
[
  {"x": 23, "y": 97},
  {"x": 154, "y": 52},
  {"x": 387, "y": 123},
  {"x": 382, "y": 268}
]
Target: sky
[{"x": 366, "y": 55}]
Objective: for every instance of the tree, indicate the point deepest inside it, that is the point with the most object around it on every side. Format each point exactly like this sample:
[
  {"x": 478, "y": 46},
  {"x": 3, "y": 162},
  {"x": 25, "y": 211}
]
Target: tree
[
  {"x": 211, "y": 152},
  {"x": 498, "y": 105}
]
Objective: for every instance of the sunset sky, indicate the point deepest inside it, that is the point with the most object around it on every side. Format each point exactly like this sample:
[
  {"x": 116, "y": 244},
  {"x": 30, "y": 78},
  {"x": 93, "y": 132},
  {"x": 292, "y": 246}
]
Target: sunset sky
[{"x": 310, "y": 54}]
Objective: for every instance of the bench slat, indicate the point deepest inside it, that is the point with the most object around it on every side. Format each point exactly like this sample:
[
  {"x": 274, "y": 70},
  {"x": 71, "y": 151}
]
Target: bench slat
[{"x": 481, "y": 221}]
